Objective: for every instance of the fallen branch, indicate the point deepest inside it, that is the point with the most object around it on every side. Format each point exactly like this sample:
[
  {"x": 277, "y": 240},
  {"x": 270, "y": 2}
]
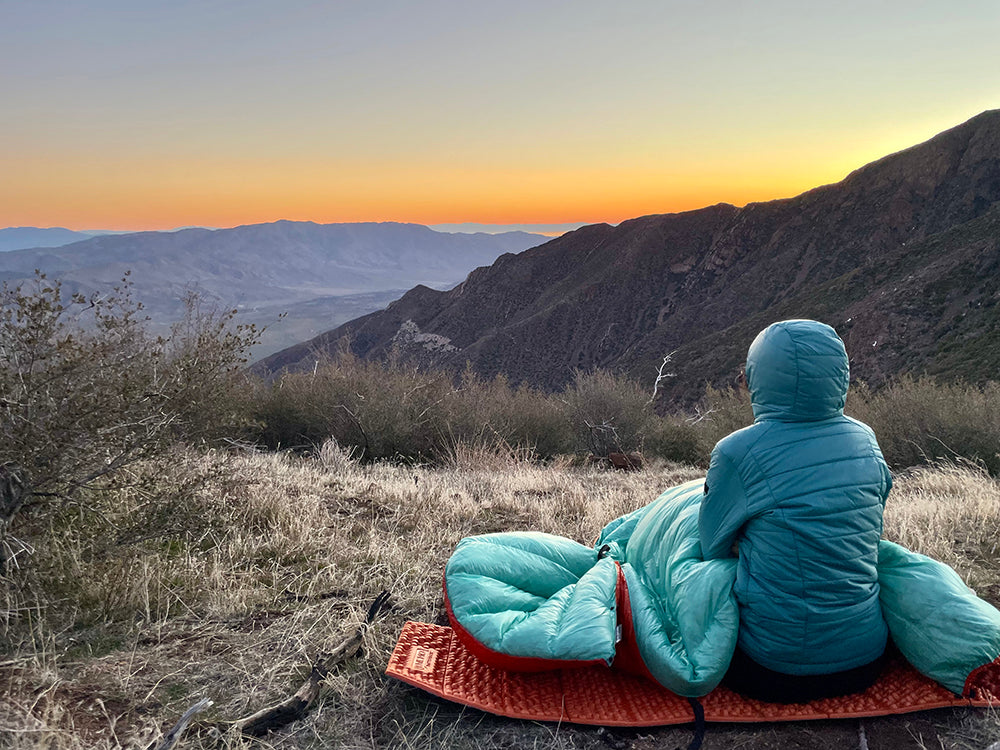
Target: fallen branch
[{"x": 295, "y": 706}]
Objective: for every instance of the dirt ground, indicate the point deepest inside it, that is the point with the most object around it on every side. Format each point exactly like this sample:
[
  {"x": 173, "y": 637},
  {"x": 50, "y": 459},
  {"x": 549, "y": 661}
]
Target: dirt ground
[{"x": 941, "y": 729}]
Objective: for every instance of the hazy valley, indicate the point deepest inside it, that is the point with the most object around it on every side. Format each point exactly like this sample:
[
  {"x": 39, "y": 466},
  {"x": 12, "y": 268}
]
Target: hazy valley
[{"x": 313, "y": 275}]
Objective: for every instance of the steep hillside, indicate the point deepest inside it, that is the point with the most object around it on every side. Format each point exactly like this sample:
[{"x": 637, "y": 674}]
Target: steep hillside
[{"x": 901, "y": 257}]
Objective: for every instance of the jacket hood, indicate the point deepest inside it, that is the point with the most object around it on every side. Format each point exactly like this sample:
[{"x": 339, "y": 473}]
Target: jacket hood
[{"x": 797, "y": 371}]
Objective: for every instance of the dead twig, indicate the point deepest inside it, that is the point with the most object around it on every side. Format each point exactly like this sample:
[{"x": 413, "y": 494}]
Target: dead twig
[
  {"x": 296, "y": 705},
  {"x": 171, "y": 738},
  {"x": 661, "y": 375},
  {"x": 361, "y": 428}
]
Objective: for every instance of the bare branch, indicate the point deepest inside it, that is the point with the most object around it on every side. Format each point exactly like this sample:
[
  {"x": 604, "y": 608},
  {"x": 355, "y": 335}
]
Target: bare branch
[
  {"x": 661, "y": 375},
  {"x": 360, "y": 427},
  {"x": 700, "y": 415},
  {"x": 296, "y": 705},
  {"x": 171, "y": 738}
]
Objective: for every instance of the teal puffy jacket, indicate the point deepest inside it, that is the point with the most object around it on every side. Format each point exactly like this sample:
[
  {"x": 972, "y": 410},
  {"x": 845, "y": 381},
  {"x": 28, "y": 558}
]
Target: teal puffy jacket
[{"x": 801, "y": 491}]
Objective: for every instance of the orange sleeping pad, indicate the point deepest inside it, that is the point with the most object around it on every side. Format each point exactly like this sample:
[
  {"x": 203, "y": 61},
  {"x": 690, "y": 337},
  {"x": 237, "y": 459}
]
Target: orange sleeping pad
[{"x": 432, "y": 658}]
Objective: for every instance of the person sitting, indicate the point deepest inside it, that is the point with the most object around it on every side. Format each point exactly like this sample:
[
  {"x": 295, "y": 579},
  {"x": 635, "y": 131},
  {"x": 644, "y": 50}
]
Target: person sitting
[{"x": 800, "y": 495}]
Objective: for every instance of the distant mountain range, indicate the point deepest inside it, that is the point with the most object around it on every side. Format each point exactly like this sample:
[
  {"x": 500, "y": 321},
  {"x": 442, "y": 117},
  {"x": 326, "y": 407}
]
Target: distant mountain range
[
  {"x": 20, "y": 238},
  {"x": 319, "y": 274},
  {"x": 902, "y": 257}
]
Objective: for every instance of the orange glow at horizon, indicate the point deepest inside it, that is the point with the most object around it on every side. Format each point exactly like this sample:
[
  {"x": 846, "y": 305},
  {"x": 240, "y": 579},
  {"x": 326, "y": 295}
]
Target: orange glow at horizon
[{"x": 145, "y": 195}]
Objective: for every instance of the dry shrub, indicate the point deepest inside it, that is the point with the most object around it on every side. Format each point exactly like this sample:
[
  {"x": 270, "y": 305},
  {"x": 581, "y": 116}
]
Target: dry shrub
[
  {"x": 608, "y": 412},
  {"x": 118, "y": 552},
  {"x": 919, "y": 421},
  {"x": 399, "y": 412},
  {"x": 387, "y": 410},
  {"x": 689, "y": 437},
  {"x": 395, "y": 411},
  {"x": 382, "y": 410},
  {"x": 334, "y": 457},
  {"x": 492, "y": 412},
  {"x": 722, "y": 411},
  {"x": 87, "y": 392},
  {"x": 677, "y": 439},
  {"x": 487, "y": 454}
]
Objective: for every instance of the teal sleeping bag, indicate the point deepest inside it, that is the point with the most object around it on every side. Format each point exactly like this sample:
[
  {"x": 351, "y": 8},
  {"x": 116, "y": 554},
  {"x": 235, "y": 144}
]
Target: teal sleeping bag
[{"x": 526, "y": 600}]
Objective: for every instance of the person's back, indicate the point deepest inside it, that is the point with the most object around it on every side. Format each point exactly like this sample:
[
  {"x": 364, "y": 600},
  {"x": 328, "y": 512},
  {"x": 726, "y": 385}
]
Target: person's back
[{"x": 802, "y": 491}]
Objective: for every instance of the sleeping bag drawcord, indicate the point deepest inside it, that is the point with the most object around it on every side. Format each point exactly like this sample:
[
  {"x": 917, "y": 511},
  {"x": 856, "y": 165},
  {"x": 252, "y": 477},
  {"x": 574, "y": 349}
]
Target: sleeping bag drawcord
[
  {"x": 699, "y": 724},
  {"x": 603, "y": 551}
]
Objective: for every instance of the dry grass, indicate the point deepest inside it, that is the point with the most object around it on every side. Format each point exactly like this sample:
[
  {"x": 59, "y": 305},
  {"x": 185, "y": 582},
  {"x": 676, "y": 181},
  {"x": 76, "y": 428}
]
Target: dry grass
[
  {"x": 274, "y": 559},
  {"x": 951, "y": 513}
]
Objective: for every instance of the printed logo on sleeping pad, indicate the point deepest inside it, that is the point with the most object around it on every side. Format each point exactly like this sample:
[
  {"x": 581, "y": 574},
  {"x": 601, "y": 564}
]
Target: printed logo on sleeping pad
[{"x": 421, "y": 659}]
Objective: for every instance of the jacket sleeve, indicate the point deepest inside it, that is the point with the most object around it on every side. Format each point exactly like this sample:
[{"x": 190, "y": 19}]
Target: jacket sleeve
[{"x": 723, "y": 508}]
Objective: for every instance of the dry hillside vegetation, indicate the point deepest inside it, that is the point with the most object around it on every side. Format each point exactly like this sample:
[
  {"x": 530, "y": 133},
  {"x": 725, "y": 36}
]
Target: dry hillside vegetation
[{"x": 117, "y": 623}]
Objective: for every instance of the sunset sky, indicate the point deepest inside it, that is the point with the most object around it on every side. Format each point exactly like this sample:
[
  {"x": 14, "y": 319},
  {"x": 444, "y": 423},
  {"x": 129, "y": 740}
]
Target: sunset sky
[{"x": 150, "y": 114}]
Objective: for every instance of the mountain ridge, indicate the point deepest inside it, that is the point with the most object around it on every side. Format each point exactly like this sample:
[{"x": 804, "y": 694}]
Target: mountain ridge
[
  {"x": 623, "y": 297},
  {"x": 21, "y": 238}
]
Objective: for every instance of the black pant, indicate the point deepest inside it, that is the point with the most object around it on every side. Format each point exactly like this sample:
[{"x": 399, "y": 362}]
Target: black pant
[{"x": 753, "y": 680}]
